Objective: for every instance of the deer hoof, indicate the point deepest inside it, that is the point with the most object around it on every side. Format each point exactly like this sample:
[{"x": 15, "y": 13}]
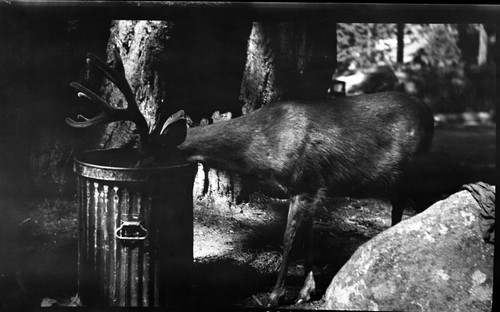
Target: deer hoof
[
  {"x": 308, "y": 289},
  {"x": 275, "y": 297}
]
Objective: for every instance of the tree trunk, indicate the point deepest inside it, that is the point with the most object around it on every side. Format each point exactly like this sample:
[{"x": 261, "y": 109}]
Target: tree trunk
[
  {"x": 401, "y": 42},
  {"x": 47, "y": 57},
  {"x": 218, "y": 188},
  {"x": 468, "y": 43},
  {"x": 205, "y": 59},
  {"x": 482, "y": 53},
  {"x": 288, "y": 61},
  {"x": 141, "y": 45}
]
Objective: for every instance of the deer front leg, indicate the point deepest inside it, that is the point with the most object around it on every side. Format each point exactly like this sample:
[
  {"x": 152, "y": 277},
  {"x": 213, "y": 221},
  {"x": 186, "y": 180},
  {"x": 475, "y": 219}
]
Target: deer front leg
[
  {"x": 296, "y": 209},
  {"x": 309, "y": 286}
]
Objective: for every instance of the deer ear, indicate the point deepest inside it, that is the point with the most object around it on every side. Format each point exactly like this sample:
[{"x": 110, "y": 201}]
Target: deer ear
[
  {"x": 174, "y": 130},
  {"x": 175, "y": 117}
]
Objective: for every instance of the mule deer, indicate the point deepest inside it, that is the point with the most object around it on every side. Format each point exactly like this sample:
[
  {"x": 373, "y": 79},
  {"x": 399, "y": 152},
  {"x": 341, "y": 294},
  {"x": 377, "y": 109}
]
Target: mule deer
[{"x": 354, "y": 146}]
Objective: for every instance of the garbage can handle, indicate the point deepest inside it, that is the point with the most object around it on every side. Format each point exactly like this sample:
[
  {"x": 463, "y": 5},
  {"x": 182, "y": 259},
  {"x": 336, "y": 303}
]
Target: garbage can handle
[{"x": 131, "y": 231}]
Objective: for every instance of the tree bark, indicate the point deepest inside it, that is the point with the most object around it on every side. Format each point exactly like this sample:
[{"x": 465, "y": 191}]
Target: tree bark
[{"x": 141, "y": 45}]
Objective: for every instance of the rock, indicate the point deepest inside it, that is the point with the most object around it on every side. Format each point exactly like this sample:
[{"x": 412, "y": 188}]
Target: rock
[{"x": 435, "y": 261}]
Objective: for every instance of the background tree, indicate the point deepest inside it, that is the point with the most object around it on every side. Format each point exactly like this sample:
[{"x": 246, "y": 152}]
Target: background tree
[
  {"x": 482, "y": 53},
  {"x": 288, "y": 61},
  {"x": 356, "y": 44},
  {"x": 204, "y": 65},
  {"x": 401, "y": 43},
  {"x": 447, "y": 65}
]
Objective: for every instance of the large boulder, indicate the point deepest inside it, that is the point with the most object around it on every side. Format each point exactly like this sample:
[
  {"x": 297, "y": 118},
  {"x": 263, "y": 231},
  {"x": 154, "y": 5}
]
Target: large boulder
[{"x": 439, "y": 260}]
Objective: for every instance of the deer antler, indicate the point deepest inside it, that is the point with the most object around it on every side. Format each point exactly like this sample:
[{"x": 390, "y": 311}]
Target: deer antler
[{"x": 109, "y": 113}]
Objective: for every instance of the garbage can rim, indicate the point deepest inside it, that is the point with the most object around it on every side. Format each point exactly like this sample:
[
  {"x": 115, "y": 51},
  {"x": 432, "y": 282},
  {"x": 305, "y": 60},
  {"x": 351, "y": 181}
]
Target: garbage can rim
[
  {"x": 91, "y": 164},
  {"x": 76, "y": 160},
  {"x": 108, "y": 167}
]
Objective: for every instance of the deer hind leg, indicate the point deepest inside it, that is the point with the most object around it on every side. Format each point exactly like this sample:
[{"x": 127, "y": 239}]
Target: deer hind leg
[
  {"x": 398, "y": 205},
  {"x": 309, "y": 286},
  {"x": 300, "y": 207}
]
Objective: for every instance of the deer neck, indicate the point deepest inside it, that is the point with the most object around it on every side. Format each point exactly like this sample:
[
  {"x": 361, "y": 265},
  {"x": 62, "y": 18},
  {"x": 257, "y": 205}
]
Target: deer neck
[{"x": 221, "y": 145}]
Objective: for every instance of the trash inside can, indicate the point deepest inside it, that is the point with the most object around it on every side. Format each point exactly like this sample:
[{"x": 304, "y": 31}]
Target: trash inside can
[{"x": 135, "y": 232}]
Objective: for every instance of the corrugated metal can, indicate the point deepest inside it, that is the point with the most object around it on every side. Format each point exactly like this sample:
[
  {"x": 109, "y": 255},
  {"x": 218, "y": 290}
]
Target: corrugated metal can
[{"x": 135, "y": 232}]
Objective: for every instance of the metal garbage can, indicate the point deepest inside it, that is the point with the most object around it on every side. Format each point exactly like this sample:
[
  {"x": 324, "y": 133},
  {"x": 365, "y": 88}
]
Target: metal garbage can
[{"x": 135, "y": 232}]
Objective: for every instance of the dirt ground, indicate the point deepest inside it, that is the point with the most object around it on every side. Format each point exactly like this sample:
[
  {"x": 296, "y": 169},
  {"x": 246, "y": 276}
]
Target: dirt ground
[
  {"x": 236, "y": 251},
  {"x": 247, "y": 242}
]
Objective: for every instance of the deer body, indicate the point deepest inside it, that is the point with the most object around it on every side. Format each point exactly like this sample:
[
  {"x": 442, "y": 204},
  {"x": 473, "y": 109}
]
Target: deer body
[{"x": 355, "y": 146}]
